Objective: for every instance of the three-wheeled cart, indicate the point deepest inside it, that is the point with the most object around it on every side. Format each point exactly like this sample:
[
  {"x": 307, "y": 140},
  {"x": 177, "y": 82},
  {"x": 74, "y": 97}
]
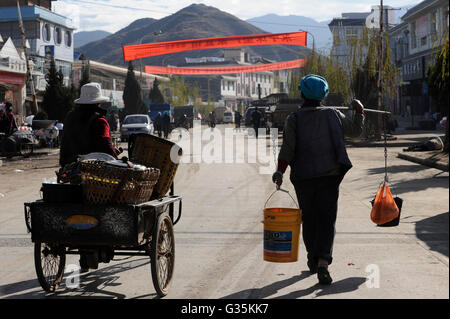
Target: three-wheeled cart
[{"x": 100, "y": 232}]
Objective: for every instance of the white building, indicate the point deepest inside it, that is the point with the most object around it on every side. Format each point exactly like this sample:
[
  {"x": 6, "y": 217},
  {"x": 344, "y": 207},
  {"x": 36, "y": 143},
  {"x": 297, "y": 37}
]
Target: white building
[
  {"x": 12, "y": 75},
  {"x": 48, "y": 34},
  {"x": 350, "y": 27}
]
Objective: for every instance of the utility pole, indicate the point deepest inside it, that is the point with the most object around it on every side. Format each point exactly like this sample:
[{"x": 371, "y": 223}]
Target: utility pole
[
  {"x": 380, "y": 70},
  {"x": 29, "y": 75}
]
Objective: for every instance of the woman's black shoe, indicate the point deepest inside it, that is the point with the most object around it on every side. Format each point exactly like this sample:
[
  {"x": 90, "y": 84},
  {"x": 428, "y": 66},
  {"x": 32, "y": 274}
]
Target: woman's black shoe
[
  {"x": 312, "y": 266},
  {"x": 324, "y": 276}
]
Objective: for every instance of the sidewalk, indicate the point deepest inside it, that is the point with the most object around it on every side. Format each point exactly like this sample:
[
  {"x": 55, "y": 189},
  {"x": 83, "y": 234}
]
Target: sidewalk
[{"x": 404, "y": 137}]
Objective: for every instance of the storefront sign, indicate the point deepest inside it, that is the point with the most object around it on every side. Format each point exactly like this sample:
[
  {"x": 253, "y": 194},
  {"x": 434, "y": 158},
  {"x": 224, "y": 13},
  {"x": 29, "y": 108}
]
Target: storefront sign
[{"x": 12, "y": 78}]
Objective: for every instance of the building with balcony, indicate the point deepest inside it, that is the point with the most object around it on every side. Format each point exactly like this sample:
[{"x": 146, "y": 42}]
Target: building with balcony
[
  {"x": 48, "y": 35},
  {"x": 351, "y": 27},
  {"x": 427, "y": 24}
]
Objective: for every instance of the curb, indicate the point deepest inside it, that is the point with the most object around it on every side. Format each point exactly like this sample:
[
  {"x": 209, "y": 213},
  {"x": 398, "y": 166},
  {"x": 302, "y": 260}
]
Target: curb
[{"x": 426, "y": 162}]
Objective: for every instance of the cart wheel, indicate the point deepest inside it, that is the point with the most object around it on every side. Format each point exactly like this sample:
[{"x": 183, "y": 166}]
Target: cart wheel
[
  {"x": 49, "y": 262},
  {"x": 163, "y": 255}
]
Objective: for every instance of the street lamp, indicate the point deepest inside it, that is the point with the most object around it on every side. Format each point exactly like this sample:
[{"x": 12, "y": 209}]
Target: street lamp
[{"x": 307, "y": 32}]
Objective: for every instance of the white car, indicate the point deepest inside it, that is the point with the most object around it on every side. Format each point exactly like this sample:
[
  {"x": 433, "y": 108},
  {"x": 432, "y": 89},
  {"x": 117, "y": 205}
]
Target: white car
[
  {"x": 228, "y": 117},
  {"x": 135, "y": 124}
]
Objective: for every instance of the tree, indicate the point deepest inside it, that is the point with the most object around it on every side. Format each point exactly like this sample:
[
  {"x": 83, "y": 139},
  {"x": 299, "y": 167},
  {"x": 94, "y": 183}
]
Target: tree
[
  {"x": 132, "y": 96},
  {"x": 437, "y": 79},
  {"x": 58, "y": 99},
  {"x": 85, "y": 79},
  {"x": 155, "y": 95}
]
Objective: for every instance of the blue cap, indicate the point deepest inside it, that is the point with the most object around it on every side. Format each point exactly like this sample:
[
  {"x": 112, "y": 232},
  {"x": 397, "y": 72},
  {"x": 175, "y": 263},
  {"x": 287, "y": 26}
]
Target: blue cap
[{"x": 314, "y": 87}]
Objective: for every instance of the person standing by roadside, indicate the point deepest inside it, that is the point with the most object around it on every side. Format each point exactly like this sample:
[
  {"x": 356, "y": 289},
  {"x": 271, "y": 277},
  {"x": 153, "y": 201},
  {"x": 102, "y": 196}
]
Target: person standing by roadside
[
  {"x": 10, "y": 122},
  {"x": 314, "y": 148}
]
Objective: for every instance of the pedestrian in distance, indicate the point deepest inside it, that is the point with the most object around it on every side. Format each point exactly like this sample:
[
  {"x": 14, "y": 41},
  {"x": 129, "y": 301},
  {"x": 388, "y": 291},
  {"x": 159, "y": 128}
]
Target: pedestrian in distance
[
  {"x": 237, "y": 120},
  {"x": 212, "y": 120},
  {"x": 166, "y": 124},
  {"x": 313, "y": 146},
  {"x": 256, "y": 120},
  {"x": 158, "y": 124}
]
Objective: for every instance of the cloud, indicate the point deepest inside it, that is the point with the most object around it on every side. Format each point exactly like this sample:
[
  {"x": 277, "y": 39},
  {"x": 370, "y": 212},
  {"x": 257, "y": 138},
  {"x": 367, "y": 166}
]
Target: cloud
[{"x": 111, "y": 15}]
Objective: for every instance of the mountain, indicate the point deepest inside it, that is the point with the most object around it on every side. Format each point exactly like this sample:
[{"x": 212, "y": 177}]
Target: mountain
[
  {"x": 84, "y": 37},
  {"x": 279, "y": 24},
  {"x": 193, "y": 22}
]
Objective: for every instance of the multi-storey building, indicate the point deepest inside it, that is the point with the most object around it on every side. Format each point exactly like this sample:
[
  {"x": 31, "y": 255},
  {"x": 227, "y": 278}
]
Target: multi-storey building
[
  {"x": 427, "y": 24},
  {"x": 235, "y": 90},
  {"x": 48, "y": 34},
  {"x": 349, "y": 29}
]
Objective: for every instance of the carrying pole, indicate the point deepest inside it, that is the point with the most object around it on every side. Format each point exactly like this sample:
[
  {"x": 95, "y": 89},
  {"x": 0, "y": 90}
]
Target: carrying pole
[
  {"x": 343, "y": 108},
  {"x": 29, "y": 75}
]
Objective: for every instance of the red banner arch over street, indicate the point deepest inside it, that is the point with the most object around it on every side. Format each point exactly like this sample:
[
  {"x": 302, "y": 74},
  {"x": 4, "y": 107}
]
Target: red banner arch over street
[
  {"x": 226, "y": 70},
  {"x": 139, "y": 51}
]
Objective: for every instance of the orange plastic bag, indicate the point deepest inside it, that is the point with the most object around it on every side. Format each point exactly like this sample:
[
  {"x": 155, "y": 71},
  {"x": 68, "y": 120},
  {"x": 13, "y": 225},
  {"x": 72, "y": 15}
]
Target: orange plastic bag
[{"x": 384, "y": 207}]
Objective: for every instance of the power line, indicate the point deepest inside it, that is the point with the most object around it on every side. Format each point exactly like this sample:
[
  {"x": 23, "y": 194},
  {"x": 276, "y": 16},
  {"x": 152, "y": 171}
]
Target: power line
[
  {"x": 118, "y": 7},
  {"x": 292, "y": 25}
]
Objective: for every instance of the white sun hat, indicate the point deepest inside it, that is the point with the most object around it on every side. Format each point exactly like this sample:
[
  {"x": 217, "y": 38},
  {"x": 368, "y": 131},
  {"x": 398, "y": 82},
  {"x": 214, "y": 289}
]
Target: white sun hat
[{"x": 91, "y": 93}]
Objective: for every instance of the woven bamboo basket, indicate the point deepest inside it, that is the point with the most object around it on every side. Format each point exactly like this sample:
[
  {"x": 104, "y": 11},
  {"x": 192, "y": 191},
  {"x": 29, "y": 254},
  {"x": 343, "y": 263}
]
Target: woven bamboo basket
[
  {"x": 105, "y": 184},
  {"x": 152, "y": 151}
]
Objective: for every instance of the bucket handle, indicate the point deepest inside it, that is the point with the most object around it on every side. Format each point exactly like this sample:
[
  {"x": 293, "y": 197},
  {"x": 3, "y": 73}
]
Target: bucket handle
[{"x": 282, "y": 190}]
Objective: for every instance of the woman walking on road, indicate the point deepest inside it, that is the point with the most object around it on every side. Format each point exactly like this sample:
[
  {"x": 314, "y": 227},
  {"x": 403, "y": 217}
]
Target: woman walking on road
[{"x": 314, "y": 148}]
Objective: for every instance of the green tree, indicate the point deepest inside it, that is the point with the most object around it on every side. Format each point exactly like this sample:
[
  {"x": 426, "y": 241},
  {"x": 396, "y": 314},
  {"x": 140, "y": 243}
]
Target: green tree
[
  {"x": 85, "y": 79},
  {"x": 132, "y": 96},
  {"x": 437, "y": 79},
  {"x": 58, "y": 99},
  {"x": 155, "y": 95}
]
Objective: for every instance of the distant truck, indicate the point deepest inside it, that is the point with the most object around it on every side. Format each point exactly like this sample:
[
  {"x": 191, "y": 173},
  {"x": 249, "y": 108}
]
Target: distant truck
[
  {"x": 219, "y": 112},
  {"x": 154, "y": 109},
  {"x": 279, "y": 112}
]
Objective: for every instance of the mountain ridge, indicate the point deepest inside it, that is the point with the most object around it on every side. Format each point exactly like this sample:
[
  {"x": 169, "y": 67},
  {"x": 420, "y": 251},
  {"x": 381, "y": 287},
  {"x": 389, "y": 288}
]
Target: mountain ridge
[{"x": 192, "y": 22}]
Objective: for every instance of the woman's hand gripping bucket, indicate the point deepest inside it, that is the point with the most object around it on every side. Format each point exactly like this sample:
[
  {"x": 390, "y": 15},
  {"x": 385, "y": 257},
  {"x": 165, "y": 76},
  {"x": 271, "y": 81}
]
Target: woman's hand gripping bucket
[{"x": 281, "y": 231}]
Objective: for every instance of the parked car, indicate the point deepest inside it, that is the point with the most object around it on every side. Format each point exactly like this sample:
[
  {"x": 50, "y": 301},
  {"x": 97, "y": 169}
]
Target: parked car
[
  {"x": 228, "y": 117},
  {"x": 134, "y": 124}
]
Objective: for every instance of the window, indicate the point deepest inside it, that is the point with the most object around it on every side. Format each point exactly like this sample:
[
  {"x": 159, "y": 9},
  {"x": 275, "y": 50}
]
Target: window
[
  {"x": 223, "y": 85},
  {"x": 228, "y": 85},
  {"x": 58, "y": 35},
  {"x": 46, "y": 32},
  {"x": 68, "y": 38}
]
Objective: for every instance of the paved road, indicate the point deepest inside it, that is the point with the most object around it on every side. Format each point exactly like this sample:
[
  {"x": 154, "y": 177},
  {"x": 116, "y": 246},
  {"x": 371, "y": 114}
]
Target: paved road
[{"x": 219, "y": 238}]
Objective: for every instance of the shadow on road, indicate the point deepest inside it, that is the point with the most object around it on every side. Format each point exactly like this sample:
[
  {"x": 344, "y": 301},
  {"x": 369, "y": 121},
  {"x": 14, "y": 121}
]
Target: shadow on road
[
  {"x": 342, "y": 286},
  {"x": 433, "y": 231},
  {"x": 414, "y": 184},
  {"x": 95, "y": 282},
  {"x": 338, "y": 287}
]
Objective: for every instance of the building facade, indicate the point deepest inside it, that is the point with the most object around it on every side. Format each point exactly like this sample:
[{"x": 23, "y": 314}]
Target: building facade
[
  {"x": 112, "y": 79},
  {"x": 427, "y": 24},
  {"x": 351, "y": 27},
  {"x": 48, "y": 35},
  {"x": 13, "y": 72}
]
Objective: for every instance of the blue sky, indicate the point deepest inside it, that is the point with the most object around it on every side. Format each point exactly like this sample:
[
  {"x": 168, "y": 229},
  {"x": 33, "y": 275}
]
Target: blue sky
[{"x": 112, "y": 15}]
